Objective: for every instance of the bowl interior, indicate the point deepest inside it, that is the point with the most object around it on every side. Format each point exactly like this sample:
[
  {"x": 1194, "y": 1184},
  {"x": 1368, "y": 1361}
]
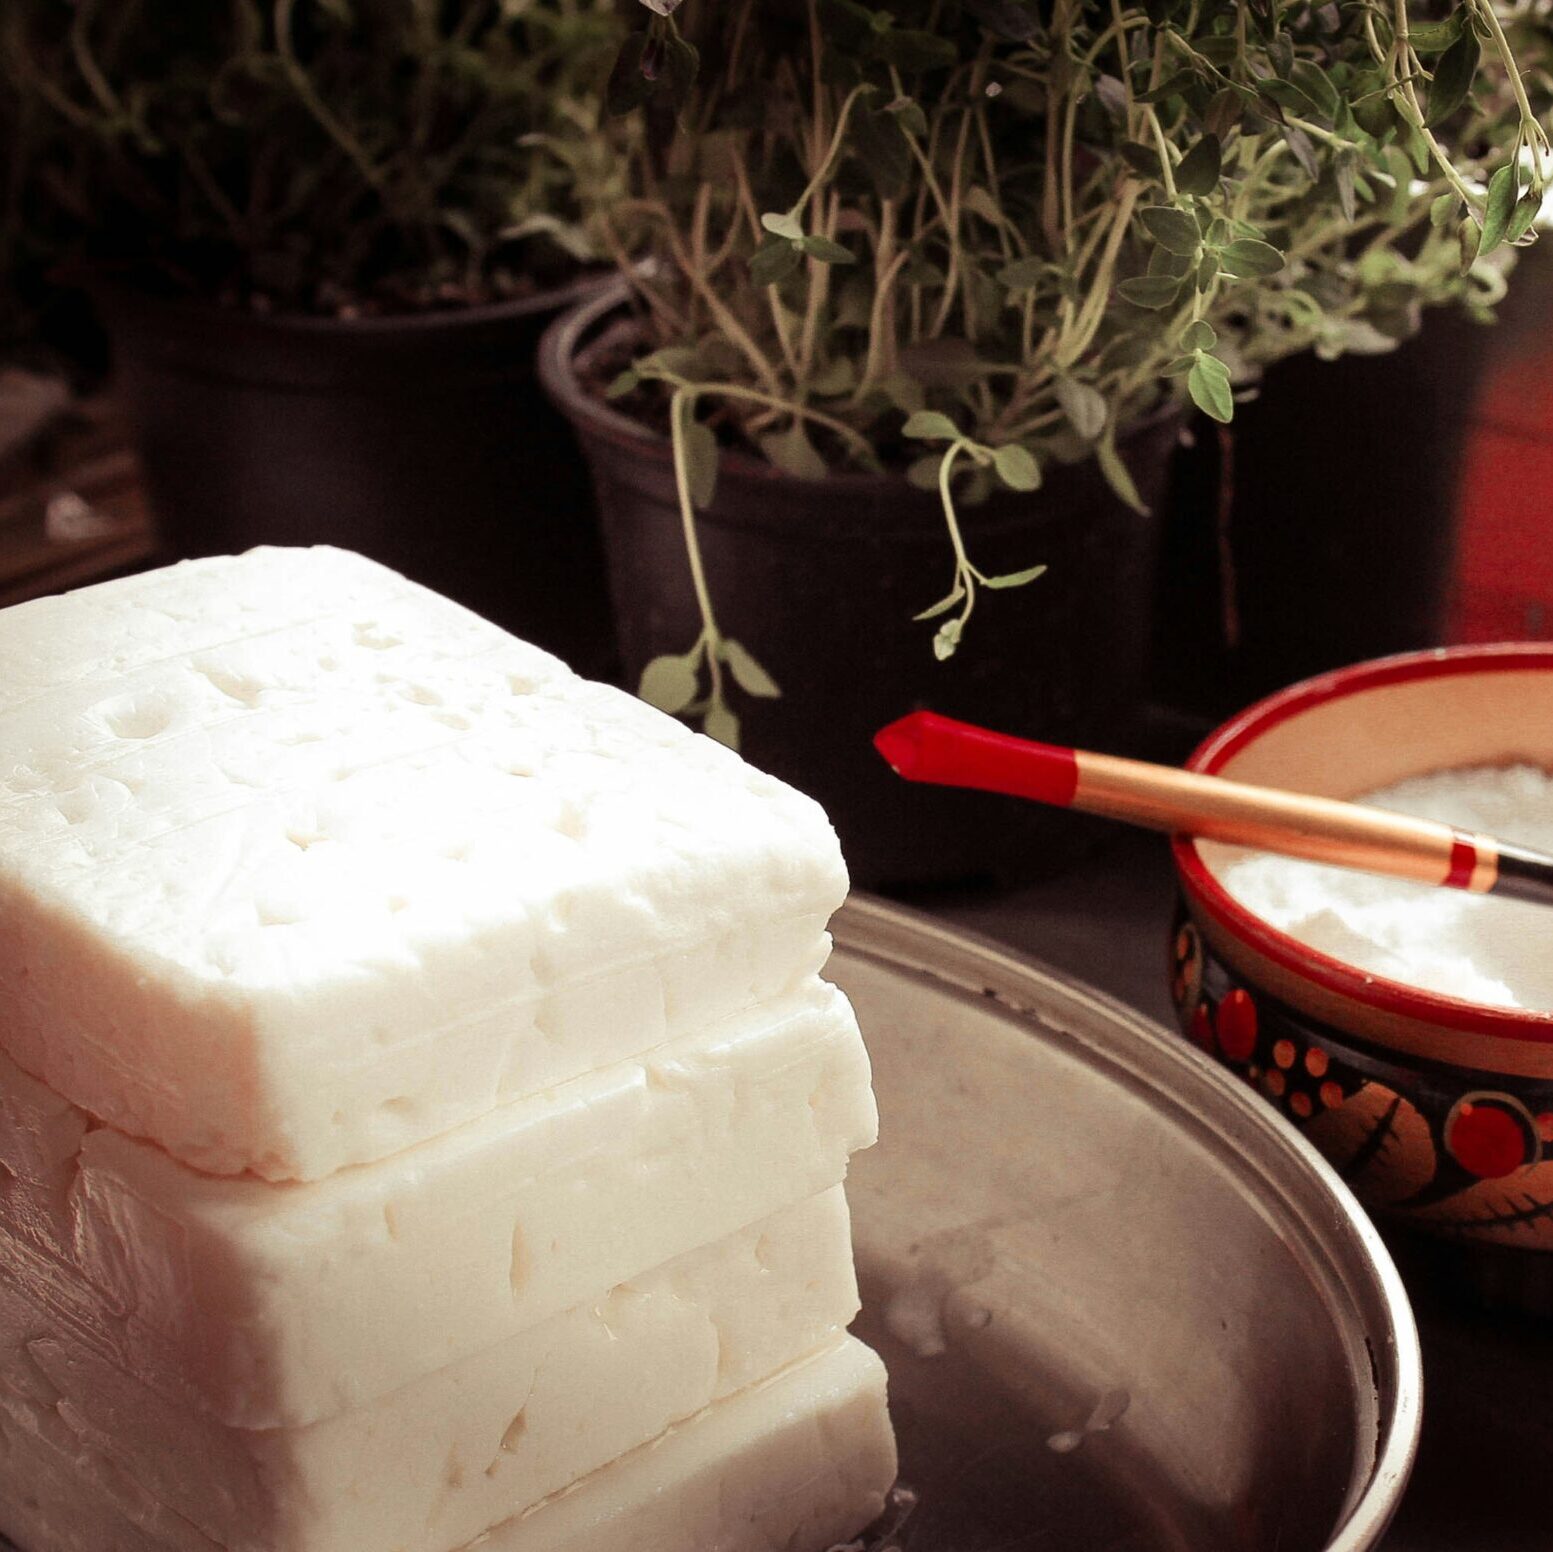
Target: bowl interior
[
  {"x": 1369, "y": 727},
  {"x": 1349, "y": 732},
  {"x": 1121, "y": 1304}
]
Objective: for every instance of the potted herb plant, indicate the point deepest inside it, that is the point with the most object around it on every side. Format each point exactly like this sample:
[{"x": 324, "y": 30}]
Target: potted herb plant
[
  {"x": 325, "y": 236},
  {"x": 931, "y": 285}
]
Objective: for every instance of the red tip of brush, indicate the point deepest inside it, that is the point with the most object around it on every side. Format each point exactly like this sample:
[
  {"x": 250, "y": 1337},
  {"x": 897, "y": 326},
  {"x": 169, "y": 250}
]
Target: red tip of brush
[
  {"x": 928, "y": 747},
  {"x": 901, "y": 744}
]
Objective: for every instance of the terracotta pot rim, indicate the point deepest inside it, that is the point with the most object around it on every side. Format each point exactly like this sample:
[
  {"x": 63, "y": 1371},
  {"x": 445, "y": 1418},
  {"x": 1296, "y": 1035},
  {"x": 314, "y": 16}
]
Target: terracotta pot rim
[
  {"x": 565, "y": 337},
  {"x": 1335, "y": 975}
]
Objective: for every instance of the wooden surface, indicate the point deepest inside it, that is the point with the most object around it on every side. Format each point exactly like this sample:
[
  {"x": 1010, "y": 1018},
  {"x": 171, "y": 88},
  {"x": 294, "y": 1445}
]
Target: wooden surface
[{"x": 71, "y": 507}]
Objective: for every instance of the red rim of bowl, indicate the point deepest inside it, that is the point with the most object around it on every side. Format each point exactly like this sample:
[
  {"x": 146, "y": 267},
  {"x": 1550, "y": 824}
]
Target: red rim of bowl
[{"x": 1288, "y": 952}]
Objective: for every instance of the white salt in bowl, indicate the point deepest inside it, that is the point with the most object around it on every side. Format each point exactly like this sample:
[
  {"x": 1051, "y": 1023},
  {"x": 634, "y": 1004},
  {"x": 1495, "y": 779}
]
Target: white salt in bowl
[{"x": 1437, "y": 1110}]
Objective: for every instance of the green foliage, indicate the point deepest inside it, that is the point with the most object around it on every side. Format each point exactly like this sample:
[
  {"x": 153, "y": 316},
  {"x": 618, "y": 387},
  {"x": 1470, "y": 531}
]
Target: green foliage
[
  {"x": 319, "y": 155},
  {"x": 1016, "y": 232}
]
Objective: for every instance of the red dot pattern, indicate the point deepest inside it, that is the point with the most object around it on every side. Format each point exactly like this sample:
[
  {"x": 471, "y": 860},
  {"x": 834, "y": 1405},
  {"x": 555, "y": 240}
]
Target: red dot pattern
[
  {"x": 1236, "y": 1025},
  {"x": 1486, "y": 1142}
]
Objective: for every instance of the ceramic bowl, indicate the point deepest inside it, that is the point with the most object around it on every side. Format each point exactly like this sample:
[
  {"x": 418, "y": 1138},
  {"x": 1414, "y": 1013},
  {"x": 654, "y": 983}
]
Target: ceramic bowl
[{"x": 1437, "y": 1111}]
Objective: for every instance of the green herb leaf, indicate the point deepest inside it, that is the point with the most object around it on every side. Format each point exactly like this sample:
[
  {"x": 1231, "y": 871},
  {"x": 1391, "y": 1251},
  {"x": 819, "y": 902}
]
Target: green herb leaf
[
  {"x": 839, "y": 377},
  {"x": 1344, "y": 177},
  {"x": 924, "y": 472},
  {"x": 948, "y": 638},
  {"x": 793, "y": 453},
  {"x": 1453, "y": 78},
  {"x": 930, "y": 426},
  {"x": 681, "y": 65},
  {"x": 669, "y": 683},
  {"x": 1144, "y": 160},
  {"x": 623, "y": 384},
  {"x": 1177, "y": 266},
  {"x": 910, "y": 115},
  {"x": 1198, "y": 172},
  {"x": 881, "y": 145},
  {"x": 1317, "y": 87},
  {"x": 1084, "y": 406},
  {"x": 905, "y": 393},
  {"x": 1116, "y": 473},
  {"x": 783, "y": 224},
  {"x": 1179, "y": 367},
  {"x": 1411, "y": 139},
  {"x": 774, "y": 261},
  {"x": 720, "y": 723},
  {"x": 943, "y": 605},
  {"x": 628, "y": 88},
  {"x": 747, "y": 673},
  {"x": 1015, "y": 578},
  {"x": 1022, "y": 274},
  {"x": 1208, "y": 384},
  {"x": 670, "y": 362},
  {"x": 1370, "y": 104},
  {"x": 1500, "y": 207},
  {"x": 1304, "y": 152},
  {"x": 1173, "y": 86},
  {"x": 1280, "y": 94},
  {"x": 1527, "y": 209},
  {"x": 1249, "y": 258},
  {"x": 1226, "y": 111},
  {"x": 1017, "y": 467},
  {"x": 1174, "y": 230},
  {"x": 826, "y": 251},
  {"x": 1198, "y": 335},
  {"x": 1436, "y": 37},
  {"x": 1153, "y": 291},
  {"x": 913, "y": 51},
  {"x": 700, "y": 452}
]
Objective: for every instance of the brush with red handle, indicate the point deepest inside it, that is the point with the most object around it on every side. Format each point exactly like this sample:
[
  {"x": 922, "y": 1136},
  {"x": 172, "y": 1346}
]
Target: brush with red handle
[{"x": 929, "y": 748}]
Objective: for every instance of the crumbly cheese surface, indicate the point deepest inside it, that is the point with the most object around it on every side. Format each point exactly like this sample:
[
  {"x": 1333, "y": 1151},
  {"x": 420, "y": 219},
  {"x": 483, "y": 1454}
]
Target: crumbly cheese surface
[
  {"x": 280, "y": 1305},
  {"x": 433, "y": 1464},
  {"x": 1483, "y": 949},
  {"x": 797, "y": 1463},
  {"x": 301, "y": 864}
]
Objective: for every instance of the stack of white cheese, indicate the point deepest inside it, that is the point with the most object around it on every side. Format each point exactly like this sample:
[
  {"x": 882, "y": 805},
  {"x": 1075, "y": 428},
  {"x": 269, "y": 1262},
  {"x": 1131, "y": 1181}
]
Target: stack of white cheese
[{"x": 422, "y": 1121}]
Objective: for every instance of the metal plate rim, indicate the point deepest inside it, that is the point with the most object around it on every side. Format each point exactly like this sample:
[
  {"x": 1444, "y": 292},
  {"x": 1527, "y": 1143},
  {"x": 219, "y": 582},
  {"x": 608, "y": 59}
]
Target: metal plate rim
[{"x": 909, "y": 940}]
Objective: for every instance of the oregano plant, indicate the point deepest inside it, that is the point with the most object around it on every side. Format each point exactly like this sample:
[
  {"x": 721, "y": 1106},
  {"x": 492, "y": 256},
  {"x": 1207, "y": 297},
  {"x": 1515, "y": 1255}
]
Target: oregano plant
[{"x": 967, "y": 239}]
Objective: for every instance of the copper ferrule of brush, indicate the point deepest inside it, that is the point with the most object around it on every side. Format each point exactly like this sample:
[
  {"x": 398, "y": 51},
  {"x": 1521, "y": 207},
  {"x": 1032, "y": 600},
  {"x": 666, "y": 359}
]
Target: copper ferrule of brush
[{"x": 1345, "y": 835}]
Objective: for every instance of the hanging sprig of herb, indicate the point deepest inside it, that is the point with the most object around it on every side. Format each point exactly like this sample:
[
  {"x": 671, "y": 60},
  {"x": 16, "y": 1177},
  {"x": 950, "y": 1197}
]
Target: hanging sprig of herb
[{"x": 1016, "y": 233}]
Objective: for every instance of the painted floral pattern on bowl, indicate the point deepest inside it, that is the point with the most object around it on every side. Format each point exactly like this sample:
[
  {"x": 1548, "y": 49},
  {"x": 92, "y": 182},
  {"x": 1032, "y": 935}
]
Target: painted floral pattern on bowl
[{"x": 1438, "y": 1112}]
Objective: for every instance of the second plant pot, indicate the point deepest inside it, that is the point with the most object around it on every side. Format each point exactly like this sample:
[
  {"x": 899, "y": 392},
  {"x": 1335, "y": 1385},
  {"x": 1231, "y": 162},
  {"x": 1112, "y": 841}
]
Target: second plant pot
[
  {"x": 422, "y": 440},
  {"x": 820, "y": 580}
]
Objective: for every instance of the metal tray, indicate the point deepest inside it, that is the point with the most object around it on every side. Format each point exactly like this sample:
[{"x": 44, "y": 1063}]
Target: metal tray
[{"x": 1123, "y": 1305}]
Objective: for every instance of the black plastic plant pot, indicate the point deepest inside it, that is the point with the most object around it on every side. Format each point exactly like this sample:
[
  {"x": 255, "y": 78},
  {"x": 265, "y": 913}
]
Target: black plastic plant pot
[
  {"x": 421, "y": 440},
  {"x": 820, "y": 580}
]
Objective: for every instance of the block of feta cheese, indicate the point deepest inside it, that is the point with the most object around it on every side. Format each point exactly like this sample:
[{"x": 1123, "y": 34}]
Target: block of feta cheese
[
  {"x": 301, "y": 864},
  {"x": 279, "y": 1305},
  {"x": 797, "y": 1463},
  {"x": 433, "y": 1464}
]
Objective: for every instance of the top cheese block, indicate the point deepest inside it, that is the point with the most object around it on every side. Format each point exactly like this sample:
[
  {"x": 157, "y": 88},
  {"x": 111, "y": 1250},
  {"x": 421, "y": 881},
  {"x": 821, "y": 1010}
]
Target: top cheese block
[{"x": 301, "y": 864}]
